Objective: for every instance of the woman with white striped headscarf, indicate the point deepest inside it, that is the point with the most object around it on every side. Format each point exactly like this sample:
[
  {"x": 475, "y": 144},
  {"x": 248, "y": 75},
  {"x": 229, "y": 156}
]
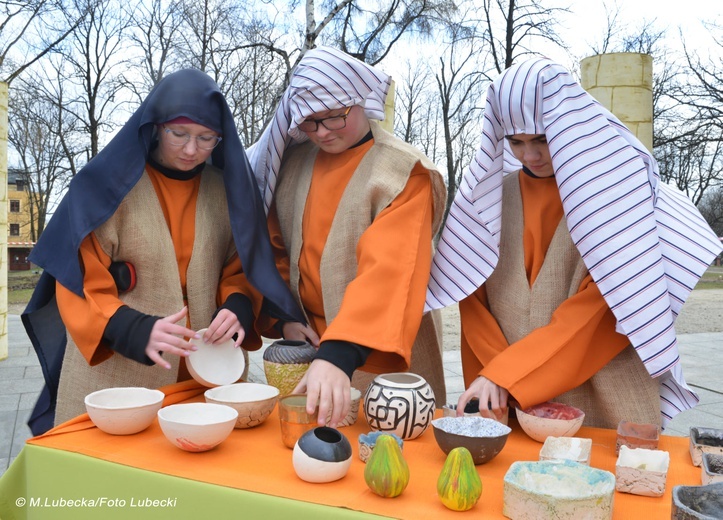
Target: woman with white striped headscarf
[
  {"x": 352, "y": 212},
  {"x": 571, "y": 272}
]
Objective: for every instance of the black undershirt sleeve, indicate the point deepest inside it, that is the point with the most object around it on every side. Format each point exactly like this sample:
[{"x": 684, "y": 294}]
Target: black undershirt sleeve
[
  {"x": 128, "y": 332},
  {"x": 344, "y": 355}
]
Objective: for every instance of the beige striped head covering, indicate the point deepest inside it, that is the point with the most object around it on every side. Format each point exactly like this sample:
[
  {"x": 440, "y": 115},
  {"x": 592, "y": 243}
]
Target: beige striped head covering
[{"x": 324, "y": 79}]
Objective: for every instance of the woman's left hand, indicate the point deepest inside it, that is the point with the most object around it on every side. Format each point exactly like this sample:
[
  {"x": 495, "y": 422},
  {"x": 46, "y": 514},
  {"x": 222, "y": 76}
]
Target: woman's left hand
[{"x": 223, "y": 327}]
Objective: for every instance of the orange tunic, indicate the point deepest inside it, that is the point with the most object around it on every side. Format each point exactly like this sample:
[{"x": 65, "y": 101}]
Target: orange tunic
[
  {"x": 382, "y": 306},
  {"x": 579, "y": 340},
  {"x": 86, "y": 318}
]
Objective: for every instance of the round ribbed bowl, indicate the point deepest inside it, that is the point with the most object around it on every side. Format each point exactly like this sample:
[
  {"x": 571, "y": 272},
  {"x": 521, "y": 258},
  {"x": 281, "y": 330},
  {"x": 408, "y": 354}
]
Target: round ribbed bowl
[{"x": 254, "y": 402}]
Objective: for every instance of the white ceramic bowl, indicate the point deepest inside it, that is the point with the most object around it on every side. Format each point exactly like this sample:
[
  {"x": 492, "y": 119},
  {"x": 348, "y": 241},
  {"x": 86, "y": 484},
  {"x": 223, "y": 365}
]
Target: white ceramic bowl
[
  {"x": 254, "y": 402},
  {"x": 197, "y": 426},
  {"x": 216, "y": 365},
  {"x": 550, "y": 419},
  {"x": 123, "y": 411}
]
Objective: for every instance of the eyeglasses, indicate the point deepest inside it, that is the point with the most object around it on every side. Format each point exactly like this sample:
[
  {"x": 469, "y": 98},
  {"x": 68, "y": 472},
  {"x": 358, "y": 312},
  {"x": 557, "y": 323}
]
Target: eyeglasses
[
  {"x": 330, "y": 123},
  {"x": 204, "y": 142}
]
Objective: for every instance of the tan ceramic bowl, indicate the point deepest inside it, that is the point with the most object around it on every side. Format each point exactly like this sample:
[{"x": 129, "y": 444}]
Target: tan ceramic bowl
[
  {"x": 550, "y": 420},
  {"x": 197, "y": 426},
  {"x": 123, "y": 411},
  {"x": 254, "y": 402}
]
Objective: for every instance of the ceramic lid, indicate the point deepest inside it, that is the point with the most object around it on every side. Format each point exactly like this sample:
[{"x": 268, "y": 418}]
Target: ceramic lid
[{"x": 215, "y": 364}]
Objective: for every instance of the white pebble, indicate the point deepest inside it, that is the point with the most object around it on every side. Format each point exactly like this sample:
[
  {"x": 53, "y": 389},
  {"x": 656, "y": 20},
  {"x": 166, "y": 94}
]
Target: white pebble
[{"x": 472, "y": 426}]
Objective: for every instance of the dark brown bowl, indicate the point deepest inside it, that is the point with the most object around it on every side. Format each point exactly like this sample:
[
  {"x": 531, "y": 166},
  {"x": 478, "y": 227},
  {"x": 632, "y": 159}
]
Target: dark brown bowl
[{"x": 484, "y": 438}]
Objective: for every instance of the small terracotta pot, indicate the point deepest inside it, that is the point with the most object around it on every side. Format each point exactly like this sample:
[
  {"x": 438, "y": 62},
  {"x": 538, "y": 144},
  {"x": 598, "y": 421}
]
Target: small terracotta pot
[
  {"x": 322, "y": 455},
  {"x": 634, "y": 435}
]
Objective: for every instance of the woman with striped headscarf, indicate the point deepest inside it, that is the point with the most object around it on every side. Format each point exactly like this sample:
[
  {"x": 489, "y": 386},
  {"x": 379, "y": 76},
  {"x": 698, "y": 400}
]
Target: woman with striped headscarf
[
  {"x": 353, "y": 211},
  {"x": 570, "y": 272}
]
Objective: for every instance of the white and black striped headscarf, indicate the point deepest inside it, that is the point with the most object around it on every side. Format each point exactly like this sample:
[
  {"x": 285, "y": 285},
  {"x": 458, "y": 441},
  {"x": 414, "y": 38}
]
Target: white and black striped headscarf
[
  {"x": 644, "y": 243},
  {"x": 324, "y": 79}
]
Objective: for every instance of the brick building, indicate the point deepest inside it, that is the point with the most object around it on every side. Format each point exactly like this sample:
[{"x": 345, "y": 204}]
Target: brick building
[{"x": 20, "y": 239}]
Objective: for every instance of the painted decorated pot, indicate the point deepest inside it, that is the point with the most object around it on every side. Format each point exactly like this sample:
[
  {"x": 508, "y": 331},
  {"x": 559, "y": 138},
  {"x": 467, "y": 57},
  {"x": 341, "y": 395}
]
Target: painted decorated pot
[
  {"x": 400, "y": 402},
  {"x": 367, "y": 441},
  {"x": 322, "y": 455},
  {"x": 286, "y": 362}
]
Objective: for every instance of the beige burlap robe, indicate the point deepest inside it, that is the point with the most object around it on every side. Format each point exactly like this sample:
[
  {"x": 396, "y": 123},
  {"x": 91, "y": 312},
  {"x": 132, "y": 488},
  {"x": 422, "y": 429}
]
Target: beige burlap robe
[
  {"x": 137, "y": 232},
  {"x": 381, "y": 176},
  {"x": 622, "y": 389}
]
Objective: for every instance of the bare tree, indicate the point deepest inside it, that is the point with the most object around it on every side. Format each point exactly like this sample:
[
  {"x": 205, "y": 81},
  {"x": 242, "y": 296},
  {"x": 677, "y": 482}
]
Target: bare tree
[
  {"x": 514, "y": 27},
  {"x": 370, "y": 30},
  {"x": 711, "y": 207},
  {"x": 30, "y": 29},
  {"x": 153, "y": 30},
  {"x": 40, "y": 132},
  {"x": 412, "y": 102},
  {"x": 93, "y": 56},
  {"x": 461, "y": 85}
]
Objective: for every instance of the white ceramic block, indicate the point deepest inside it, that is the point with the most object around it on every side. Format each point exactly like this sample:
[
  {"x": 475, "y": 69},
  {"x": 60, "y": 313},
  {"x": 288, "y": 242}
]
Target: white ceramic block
[
  {"x": 567, "y": 448},
  {"x": 640, "y": 471}
]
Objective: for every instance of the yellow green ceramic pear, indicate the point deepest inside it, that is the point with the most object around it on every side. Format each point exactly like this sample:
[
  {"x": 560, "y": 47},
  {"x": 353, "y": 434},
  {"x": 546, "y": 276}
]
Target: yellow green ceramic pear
[
  {"x": 386, "y": 472},
  {"x": 459, "y": 486}
]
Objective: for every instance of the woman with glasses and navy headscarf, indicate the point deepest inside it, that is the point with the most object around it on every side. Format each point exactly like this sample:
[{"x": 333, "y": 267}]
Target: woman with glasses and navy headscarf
[{"x": 162, "y": 234}]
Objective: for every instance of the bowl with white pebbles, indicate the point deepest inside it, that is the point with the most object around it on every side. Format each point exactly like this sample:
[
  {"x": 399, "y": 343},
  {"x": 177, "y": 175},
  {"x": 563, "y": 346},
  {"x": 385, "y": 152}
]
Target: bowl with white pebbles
[{"x": 484, "y": 438}]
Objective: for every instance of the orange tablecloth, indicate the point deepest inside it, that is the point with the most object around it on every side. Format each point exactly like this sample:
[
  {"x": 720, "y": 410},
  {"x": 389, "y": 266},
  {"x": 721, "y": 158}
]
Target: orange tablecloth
[{"x": 256, "y": 460}]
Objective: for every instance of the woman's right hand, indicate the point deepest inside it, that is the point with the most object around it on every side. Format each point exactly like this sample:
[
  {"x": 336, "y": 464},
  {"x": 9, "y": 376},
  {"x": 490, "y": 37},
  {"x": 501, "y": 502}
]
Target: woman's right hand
[
  {"x": 491, "y": 397},
  {"x": 168, "y": 336}
]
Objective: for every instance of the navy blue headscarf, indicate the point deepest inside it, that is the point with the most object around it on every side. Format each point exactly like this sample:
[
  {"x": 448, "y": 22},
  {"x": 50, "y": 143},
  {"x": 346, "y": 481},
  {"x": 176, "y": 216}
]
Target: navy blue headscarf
[{"x": 98, "y": 189}]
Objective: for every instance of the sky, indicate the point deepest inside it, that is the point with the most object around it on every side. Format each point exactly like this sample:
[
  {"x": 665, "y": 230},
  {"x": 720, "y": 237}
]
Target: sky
[{"x": 588, "y": 20}]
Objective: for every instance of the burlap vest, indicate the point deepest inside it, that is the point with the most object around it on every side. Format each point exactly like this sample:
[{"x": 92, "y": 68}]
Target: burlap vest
[
  {"x": 622, "y": 389},
  {"x": 137, "y": 233},
  {"x": 382, "y": 175}
]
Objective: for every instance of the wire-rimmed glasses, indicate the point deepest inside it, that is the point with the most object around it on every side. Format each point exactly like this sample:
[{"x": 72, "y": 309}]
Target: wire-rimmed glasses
[{"x": 204, "y": 142}]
